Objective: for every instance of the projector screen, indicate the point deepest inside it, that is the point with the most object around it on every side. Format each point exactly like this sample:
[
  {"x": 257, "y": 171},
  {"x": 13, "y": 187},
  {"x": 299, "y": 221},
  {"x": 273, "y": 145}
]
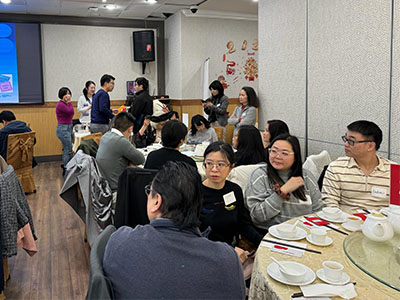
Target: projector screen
[{"x": 21, "y": 74}]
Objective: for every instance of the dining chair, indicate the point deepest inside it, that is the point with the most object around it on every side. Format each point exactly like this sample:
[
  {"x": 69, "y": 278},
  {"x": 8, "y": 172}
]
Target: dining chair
[
  {"x": 100, "y": 286},
  {"x": 316, "y": 163},
  {"x": 95, "y": 136},
  {"x": 229, "y": 129},
  {"x": 20, "y": 155}
]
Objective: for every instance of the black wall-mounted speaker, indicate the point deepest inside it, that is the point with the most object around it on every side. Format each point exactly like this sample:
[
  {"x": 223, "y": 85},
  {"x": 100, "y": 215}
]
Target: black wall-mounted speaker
[{"x": 143, "y": 46}]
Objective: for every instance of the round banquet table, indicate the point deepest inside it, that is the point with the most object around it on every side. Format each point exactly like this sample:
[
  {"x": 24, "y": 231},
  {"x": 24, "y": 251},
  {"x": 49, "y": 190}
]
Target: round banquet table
[{"x": 367, "y": 287}]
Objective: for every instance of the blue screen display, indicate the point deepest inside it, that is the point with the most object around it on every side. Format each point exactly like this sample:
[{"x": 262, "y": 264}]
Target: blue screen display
[{"x": 8, "y": 64}]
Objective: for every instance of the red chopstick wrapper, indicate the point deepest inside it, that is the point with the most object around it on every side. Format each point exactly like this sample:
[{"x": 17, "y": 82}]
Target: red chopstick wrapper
[
  {"x": 317, "y": 221},
  {"x": 363, "y": 216}
]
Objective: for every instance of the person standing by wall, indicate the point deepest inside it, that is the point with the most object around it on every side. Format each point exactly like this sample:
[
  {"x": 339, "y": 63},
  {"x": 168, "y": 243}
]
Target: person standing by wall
[
  {"x": 85, "y": 102},
  {"x": 101, "y": 113},
  {"x": 246, "y": 112},
  {"x": 216, "y": 106},
  {"x": 142, "y": 104},
  {"x": 65, "y": 113}
]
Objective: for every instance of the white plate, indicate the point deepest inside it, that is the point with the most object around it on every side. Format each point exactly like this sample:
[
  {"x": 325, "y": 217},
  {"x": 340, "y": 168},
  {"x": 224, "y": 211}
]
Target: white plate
[
  {"x": 328, "y": 241},
  {"x": 349, "y": 228},
  {"x": 273, "y": 271},
  {"x": 300, "y": 234},
  {"x": 321, "y": 275},
  {"x": 342, "y": 218}
]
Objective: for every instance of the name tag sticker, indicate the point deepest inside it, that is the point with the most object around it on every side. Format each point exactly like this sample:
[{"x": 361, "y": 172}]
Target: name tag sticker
[
  {"x": 378, "y": 192},
  {"x": 229, "y": 198},
  {"x": 218, "y": 104},
  {"x": 308, "y": 200}
]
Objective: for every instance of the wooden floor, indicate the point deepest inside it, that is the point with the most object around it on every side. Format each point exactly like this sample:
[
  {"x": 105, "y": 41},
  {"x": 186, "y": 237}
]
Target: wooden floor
[{"x": 60, "y": 268}]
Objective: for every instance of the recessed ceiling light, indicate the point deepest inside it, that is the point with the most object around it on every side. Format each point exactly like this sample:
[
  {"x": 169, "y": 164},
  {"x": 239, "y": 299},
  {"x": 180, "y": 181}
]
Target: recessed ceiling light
[
  {"x": 104, "y": 1},
  {"x": 255, "y": 0},
  {"x": 151, "y": 1},
  {"x": 6, "y": 1},
  {"x": 111, "y": 6}
]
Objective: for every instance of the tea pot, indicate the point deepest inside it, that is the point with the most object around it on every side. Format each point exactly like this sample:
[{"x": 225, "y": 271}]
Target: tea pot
[
  {"x": 394, "y": 219},
  {"x": 377, "y": 228}
]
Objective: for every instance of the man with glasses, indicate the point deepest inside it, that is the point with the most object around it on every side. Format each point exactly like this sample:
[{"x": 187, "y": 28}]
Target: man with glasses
[
  {"x": 362, "y": 178},
  {"x": 169, "y": 258}
]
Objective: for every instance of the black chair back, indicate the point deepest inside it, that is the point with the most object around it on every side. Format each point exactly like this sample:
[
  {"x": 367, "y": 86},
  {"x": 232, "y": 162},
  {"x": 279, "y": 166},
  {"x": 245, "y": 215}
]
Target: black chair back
[{"x": 131, "y": 206}]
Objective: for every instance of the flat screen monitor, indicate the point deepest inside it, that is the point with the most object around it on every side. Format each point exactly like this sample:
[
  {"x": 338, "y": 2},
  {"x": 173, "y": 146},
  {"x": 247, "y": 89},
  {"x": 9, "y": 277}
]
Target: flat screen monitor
[
  {"x": 130, "y": 88},
  {"x": 21, "y": 73}
]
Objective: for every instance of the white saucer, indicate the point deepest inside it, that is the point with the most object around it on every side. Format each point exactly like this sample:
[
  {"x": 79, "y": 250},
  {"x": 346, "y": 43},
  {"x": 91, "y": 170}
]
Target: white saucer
[
  {"x": 321, "y": 275},
  {"x": 328, "y": 241},
  {"x": 273, "y": 271},
  {"x": 341, "y": 219},
  {"x": 300, "y": 234},
  {"x": 349, "y": 228}
]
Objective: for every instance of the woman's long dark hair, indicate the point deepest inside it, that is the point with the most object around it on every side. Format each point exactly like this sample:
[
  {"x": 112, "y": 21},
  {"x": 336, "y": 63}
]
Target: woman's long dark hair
[
  {"x": 198, "y": 120},
  {"x": 252, "y": 99},
  {"x": 296, "y": 170},
  {"x": 216, "y": 85},
  {"x": 85, "y": 90},
  {"x": 250, "y": 149},
  {"x": 276, "y": 127}
]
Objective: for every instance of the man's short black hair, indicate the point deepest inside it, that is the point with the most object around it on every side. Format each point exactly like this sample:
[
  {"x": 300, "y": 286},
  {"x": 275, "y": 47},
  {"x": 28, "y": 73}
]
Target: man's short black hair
[
  {"x": 63, "y": 91},
  {"x": 368, "y": 129},
  {"x": 106, "y": 78},
  {"x": 172, "y": 133},
  {"x": 144, "y": 82},
  {"x": 123, "y": 121},
  {"x": 179, "y": 185},
  {"x": 7, "y": 116}
]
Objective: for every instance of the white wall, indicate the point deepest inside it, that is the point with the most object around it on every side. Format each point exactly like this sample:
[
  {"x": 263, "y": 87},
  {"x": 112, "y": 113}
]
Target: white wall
[
  {"x": 343, "y": 75},
  {"x": 74, "y": 54},
  {"x": 201, "y": 38}
]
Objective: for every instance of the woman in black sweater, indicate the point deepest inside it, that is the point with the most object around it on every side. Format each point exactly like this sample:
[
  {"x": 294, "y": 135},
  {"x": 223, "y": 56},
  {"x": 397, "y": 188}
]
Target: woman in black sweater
[{"x": 223, "y": 207}]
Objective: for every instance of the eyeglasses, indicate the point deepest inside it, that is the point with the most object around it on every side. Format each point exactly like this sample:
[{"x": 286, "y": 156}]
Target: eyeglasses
[
  {"x": 283, "y": 154},
  {"x": 352, "y": 142},
  {"x": 148, "y": 189},
  {"x": 219, "y": 165}
]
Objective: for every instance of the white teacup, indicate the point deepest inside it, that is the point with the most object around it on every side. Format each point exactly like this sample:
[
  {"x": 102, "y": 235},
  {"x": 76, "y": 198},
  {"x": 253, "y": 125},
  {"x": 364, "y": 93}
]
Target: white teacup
[
  {"x": 332, "y": 212},
  {"x": 333, "y": 270},
  {"x": 318, "y": 235},
  {"x": 353, "y": 222}
]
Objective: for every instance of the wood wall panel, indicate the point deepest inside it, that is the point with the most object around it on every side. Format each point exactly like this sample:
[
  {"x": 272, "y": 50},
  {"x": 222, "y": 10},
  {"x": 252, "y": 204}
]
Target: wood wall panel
[{"x": 42, "y": 119}]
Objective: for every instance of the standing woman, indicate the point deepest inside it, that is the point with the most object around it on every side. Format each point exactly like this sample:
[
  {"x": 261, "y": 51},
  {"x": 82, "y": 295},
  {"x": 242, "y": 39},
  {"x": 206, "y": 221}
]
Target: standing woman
[
  {"x": 246, "y": 112},
  {"x": 85, "y": 102},
  {"x": 216, "y": 106},
  {"x": 282, "y": 190},
  {"x": 65, "y": 113}
]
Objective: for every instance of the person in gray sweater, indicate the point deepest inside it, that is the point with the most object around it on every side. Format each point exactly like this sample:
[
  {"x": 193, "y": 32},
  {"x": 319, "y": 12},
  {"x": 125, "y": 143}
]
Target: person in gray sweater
[
  {"x": 282, "y": 190},
  {"x": 246, "y": 112},
  {"x": 115, "y": 152},
  {"x": 216, "y": 106},
  {"x": 201, "y": 131},
  {"x": 168, "y": 258}
]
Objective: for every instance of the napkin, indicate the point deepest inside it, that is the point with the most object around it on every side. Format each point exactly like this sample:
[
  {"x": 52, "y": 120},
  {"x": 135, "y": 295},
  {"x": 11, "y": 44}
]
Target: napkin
[
  {"x": 283, "y": 249},
  {"x": 321, "y": 289}
]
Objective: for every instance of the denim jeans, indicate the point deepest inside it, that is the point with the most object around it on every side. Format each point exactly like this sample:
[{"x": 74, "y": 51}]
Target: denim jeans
[{"x": 64, "y": 133}]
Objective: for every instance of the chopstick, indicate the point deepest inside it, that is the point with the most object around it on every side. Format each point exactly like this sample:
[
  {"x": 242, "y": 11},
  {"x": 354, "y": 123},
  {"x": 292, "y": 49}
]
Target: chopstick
[
  {"x": 342, "y": 232},
  {"x": 288, "y": 245},
  {"x": 366, "y": 210}
]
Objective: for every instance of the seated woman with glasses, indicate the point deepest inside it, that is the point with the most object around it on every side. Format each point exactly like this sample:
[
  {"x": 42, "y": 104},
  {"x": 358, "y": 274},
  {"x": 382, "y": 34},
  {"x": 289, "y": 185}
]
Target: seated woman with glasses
[
  {"x": 201, "y": 131},
  {"x": 282, "y": 190},
  {"x": 223, "y": 208}
]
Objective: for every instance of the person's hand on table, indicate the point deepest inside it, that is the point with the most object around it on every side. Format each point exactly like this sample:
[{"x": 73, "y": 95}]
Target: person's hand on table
[
  {"x": 292, "y": 184},
  {"x": 133, "y": 165},
  {"x": 241, "y": 253}
]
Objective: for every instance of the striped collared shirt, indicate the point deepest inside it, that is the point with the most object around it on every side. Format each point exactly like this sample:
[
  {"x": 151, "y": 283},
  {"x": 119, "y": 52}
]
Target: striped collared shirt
[{"x": 345, "y": 185}]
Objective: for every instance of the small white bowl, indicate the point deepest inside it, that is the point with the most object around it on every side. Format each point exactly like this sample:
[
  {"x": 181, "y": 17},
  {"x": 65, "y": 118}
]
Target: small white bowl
[
  {"x": 295, "y": 271},
  {"x": 332, "y": 212},
  {"x": 286, "y": 230}
]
